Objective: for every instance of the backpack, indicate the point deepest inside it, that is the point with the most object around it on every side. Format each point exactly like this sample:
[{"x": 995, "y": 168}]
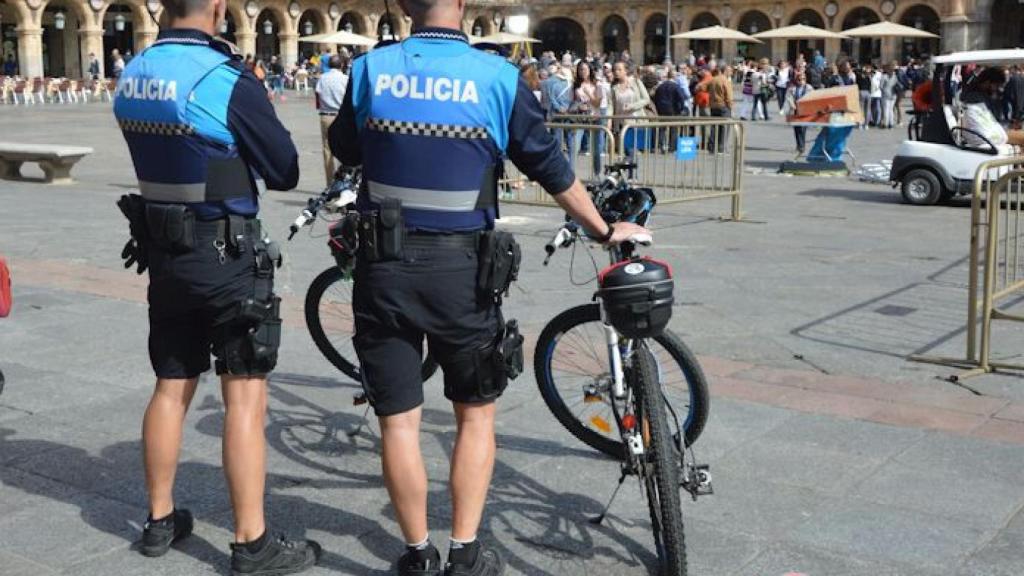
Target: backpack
[{"x": 6, "y": 299}]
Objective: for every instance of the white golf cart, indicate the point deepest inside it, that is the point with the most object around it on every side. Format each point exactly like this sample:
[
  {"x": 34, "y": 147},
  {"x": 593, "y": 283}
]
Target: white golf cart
[{"x": 938, "y": 163}]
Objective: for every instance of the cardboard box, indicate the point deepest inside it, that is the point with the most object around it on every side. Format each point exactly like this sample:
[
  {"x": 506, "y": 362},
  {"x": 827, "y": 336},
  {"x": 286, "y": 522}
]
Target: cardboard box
[{"x": 829, "y": 106}]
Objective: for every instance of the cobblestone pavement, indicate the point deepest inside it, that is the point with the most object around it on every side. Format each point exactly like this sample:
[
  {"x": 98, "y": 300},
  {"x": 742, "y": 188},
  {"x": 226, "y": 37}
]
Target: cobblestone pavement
[{"x": 832, "y": 454}]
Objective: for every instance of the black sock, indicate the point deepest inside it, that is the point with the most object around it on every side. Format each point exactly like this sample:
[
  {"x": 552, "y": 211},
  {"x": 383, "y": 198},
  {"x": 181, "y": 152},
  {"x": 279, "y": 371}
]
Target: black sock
[
  {"x": 167, "y": 518},
  {"x": 463, "y": 554},
  {"x": 256, "y": 545}
]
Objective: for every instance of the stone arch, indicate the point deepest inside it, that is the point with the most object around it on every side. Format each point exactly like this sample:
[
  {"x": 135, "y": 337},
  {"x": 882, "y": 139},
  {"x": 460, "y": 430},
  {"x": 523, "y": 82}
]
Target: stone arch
[
  {"x": 860, "y": 49},
  {"x": 280, "y": 13},
  {"x": 268, "y": 45},
  {"x": 360, "y": 23},
  {"x": 14, "y": 15},
  {"x": 1007, "y": 30},
  {"x": 654, "y": 39},
  {"x": 82, "y": 12},
  {"x": 234, "y": 22},
  {"x": 394, "y": 25},
  {"x": 560, "y": 34},
  {"x": 484, "y": 24},
  {"x": 752, "y": 22},
  {"x": 62, "y": 47},
  {"x": 924, "y": 17},
  {"x": 140, "y": 16},
  {"x": 705, "y": 47},
  {"x": 317, "y": 19},
  {"x": 614, "y": 34},
  {"x": 808, "y": 17}
]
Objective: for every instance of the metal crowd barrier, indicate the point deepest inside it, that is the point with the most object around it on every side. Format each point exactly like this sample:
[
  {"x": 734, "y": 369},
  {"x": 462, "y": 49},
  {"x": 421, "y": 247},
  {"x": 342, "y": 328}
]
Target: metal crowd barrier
[
  {"x": 996, "y": 268},
  {"x": 682, "y": 158}
]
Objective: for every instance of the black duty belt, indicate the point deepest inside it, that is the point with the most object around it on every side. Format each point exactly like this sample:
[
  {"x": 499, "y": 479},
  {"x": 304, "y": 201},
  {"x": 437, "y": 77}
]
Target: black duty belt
[
  {"x": 428, "y": 240},
  {"x": 218, "y": 228}
]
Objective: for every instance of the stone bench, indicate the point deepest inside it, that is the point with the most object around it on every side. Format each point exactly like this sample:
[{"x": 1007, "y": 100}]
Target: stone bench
[{"x": 56, "y": 160}]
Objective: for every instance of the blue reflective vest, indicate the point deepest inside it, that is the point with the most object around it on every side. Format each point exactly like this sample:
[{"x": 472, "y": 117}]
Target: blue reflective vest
[
  {"x": 433, "y": 116},
  {"x": 171, "y": 105}
]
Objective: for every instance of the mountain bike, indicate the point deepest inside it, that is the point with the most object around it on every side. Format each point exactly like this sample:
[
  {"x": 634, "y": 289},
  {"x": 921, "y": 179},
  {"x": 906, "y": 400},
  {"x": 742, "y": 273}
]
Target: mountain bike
[
  {"x": 641, "y": 400},
  {"x": 328, "y": 304}
]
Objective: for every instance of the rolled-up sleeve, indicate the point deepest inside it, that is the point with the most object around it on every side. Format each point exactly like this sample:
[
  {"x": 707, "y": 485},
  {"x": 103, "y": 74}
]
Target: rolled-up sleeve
[{"x": 533, "y": 149}]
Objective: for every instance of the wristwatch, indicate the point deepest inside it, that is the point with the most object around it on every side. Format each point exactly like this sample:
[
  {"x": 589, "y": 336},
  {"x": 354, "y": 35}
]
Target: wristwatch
[{"x": 608, "y": 235}]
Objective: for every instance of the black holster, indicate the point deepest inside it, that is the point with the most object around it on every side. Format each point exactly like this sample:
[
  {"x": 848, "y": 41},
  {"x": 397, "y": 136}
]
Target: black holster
[
  {"x": 382, "y": 232},
  {"x": 499, "y": 260}
]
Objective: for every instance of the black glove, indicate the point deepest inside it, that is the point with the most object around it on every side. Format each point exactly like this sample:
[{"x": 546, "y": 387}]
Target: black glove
[{"x": 132, "y": 254}]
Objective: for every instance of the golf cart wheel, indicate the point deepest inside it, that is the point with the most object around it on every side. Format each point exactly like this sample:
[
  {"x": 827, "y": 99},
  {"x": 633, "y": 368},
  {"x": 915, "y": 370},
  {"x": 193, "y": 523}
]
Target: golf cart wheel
[{"x": 922, "y": 188}]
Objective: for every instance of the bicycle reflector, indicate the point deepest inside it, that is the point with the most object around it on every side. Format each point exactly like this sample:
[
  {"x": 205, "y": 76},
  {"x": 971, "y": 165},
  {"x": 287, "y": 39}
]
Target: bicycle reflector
[{"x": 637, "y": 296}]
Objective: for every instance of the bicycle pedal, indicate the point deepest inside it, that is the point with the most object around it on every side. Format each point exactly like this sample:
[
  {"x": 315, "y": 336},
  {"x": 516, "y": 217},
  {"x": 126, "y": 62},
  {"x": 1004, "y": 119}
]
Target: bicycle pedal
[
  {"x": 697, "y": 480},
  {"x": 359, "y": 399}
]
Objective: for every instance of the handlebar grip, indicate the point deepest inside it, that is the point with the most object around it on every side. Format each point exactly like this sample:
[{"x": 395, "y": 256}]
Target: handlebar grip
[
  {"x": 642, "y": 239},
  {"x": 294, "y": 230}
]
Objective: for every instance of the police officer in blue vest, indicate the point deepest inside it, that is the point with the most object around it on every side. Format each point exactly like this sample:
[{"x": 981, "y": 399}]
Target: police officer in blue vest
[
  {"x": 429, "y": 120},
  {"x": 205, "y": 143}
]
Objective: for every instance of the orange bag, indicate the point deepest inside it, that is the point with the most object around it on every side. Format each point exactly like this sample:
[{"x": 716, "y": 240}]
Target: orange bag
[{"x": 5, "y": 289}]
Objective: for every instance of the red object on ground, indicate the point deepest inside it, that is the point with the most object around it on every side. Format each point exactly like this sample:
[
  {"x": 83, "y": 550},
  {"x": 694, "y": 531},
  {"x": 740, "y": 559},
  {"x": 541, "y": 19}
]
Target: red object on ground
[{"x": 6, "y": 300}]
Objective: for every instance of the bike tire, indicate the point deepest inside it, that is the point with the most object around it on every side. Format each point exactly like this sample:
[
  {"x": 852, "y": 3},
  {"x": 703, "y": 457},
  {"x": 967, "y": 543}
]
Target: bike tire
[
  {"x": 661, "y": 466},
  {"x": 347, "y": 363},
  {"x": 694, "y": 420}
]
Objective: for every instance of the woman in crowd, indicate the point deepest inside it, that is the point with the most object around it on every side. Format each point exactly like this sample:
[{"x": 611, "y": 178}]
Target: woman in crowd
[
  {"x": 863, "y": 75},
  {"x": 798, "y": 88},
  {"x": 529, "y": 74},
  {"x": 629, "y": 98},
  {"x": 890, "y": 90},
  {"x": 762, "y": 91},
  {"x": 587, "y": 101}
]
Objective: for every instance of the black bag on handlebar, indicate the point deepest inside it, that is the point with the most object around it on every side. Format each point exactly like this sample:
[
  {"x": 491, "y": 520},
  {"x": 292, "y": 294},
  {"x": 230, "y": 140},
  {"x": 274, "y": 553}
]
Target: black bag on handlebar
[
  {"x": 637, "y": 296},
  {"x": 343, "y": 239}
]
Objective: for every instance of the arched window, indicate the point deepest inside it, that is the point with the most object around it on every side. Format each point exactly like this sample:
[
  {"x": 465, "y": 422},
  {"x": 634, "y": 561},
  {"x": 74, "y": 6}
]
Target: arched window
[
  {"x": 807, "y": 17},
  {"x": 705, "y": 47},
  {"x": 561, "y": 35},
  {"x": 861, "y": 49},
  {"x": 655, "y": 32},
  {"x": 751, "y": 23},
  {"x": 614, "y": 35},
  {"x": 924, "y": 18},
  {"x": 267, "y": 30}
]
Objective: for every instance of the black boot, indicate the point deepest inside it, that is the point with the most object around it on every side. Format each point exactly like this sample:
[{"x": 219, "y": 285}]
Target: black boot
[
  {"x": 426, "y": 562},
  {"x": 273, "y": 557},
  {"x": 158, "y": 535}
]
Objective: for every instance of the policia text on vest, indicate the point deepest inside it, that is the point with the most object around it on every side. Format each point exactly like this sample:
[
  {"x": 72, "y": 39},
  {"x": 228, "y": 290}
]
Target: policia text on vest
[
  {"x": 205, "y": 143},
  {"x": 431, "y": 121}
]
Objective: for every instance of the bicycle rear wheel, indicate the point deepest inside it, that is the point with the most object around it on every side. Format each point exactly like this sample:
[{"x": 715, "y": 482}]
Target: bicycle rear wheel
[
  {"x": 331, "y": 323},
  {"x": 573, "y": 373},
  {"x": 660, "y": 465}
]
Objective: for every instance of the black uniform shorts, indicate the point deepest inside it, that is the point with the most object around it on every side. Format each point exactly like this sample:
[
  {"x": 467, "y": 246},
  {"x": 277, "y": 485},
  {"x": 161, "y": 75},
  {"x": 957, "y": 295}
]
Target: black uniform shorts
[
  {"x": 193, "y": 299},
  {"x": 430, "y": 294}
]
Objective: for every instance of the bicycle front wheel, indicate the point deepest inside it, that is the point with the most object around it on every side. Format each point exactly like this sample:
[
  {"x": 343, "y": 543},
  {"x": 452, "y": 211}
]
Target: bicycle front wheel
[
  {"x": 661, "y": 464},
  {"x": 573, "y": 372},
  {"x": 331, "y": 323}
]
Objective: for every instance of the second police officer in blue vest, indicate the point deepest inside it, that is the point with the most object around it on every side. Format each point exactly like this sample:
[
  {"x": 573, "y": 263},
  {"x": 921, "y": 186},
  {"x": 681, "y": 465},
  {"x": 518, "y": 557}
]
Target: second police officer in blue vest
[
  {"x": 429, "y": 120},
  {"x": 205, "y": 142}
]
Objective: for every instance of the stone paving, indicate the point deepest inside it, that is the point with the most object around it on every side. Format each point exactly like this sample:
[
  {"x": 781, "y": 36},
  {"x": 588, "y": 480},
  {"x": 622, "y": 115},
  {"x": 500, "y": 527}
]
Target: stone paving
[{"x": 832, "y": 454}]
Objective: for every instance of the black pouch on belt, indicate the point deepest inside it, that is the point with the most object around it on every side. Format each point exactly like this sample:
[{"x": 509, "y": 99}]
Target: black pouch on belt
[
  {"x": 499, "y": 260},
  {"x": 171, "y": 227},
  {"x": 390, "y": 230}
]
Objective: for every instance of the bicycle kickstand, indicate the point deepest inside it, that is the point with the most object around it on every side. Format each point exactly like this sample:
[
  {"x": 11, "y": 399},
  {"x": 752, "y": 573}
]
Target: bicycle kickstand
[
  {"x": 357, "y": 400},
  {"x": 598, "y": 520}
]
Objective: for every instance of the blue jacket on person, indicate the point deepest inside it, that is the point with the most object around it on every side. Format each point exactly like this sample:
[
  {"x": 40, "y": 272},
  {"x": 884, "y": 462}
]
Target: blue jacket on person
[
  {"x": 556, "y": 95},
  {"x": 200, "y": 128},
  {"x": 431, "y": 120}
]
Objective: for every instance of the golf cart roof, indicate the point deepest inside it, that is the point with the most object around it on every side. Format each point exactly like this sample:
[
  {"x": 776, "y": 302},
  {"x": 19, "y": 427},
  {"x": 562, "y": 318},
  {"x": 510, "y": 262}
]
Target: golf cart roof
[{"x": 1007, "y": 56}]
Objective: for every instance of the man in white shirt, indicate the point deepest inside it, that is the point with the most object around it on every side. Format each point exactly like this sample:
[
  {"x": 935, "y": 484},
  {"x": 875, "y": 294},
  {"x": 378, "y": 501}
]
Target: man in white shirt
[
  {"x": 330, "y": 93},
  {"x": 782, "y": 76},
  {"x": 977, "y": 118}
]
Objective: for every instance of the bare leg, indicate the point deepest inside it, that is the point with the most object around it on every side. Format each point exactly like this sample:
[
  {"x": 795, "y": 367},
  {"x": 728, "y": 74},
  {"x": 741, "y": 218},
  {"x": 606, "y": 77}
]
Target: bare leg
[
  {"x": 244, "y": 452},
  {"x": 161, "y": 440},
  {"x": 404, "y": 473},
  {"x": 472, "y": 466}
]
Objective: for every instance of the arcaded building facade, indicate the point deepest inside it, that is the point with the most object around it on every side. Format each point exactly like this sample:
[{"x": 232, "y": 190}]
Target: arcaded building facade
[{"x": 55, "y": 37}]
